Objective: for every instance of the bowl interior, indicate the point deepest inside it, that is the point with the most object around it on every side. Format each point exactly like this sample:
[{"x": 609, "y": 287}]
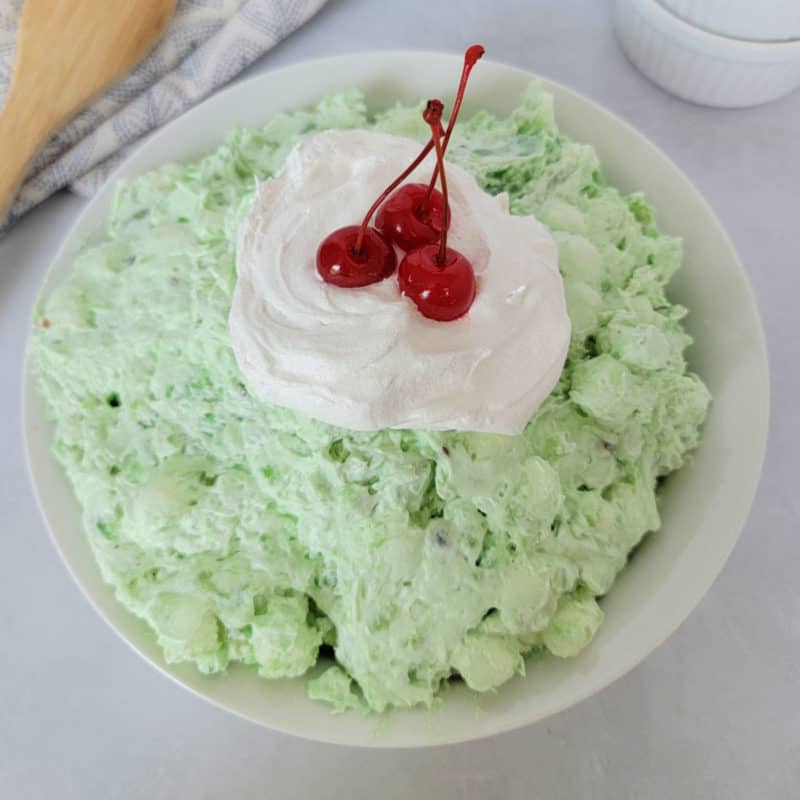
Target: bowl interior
[{"x": 704, "y": 506}]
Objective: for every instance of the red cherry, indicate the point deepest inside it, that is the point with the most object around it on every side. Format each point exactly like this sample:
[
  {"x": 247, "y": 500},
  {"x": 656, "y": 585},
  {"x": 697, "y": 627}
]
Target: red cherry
[
  {"x": 441, "y": 291},
  {"x": 341, "y": 263},
  {"x": 410, "y": 217},
  {"x": 438, "y": 279},
  {"x": 405, "y": 221},
  {"x": 357, "y": 256},
  {"x": 351, "y": 259}
]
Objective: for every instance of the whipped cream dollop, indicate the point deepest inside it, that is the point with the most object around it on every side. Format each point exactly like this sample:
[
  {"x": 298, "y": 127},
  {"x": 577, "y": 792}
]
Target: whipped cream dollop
[{"x": 366, "y": 358}]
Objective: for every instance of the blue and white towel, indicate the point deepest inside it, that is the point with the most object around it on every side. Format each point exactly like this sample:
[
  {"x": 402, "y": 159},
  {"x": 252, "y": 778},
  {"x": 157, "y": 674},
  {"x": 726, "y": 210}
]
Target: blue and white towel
[{"x": 206, "y": 44}]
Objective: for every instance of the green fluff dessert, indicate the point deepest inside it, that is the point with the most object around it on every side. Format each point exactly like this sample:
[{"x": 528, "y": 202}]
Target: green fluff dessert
[{"x": 245, "y": 532}]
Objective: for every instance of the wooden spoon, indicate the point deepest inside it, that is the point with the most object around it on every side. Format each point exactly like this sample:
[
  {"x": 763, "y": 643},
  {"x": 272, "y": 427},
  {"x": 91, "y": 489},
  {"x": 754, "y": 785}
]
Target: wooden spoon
[{"x": 67, "y": 52}]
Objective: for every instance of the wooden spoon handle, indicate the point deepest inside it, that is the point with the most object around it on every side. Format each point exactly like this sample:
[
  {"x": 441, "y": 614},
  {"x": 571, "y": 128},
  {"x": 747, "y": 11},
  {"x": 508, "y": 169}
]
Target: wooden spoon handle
[
  {"x": 67, "y": 52},
  {"x": 23, "y": 130}
]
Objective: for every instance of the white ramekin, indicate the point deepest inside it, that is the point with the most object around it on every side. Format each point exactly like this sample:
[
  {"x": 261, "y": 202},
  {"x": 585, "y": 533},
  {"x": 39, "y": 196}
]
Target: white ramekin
[
  {"x": 762, "y": 20},
  {"x": 704, "y": 67}
]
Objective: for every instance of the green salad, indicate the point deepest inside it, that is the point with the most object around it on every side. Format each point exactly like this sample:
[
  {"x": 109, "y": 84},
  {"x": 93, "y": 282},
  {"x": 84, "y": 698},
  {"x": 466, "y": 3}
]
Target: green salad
[{"x": 244, "y": 532}]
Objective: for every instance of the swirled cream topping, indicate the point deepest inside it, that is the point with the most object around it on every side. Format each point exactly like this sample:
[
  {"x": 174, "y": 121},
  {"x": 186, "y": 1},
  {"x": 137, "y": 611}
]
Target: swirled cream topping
[{"x": 366, "y": 358}]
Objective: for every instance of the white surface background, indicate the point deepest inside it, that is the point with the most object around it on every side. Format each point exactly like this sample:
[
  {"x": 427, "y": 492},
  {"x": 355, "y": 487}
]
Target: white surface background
[{"x": 714, "y": 713}]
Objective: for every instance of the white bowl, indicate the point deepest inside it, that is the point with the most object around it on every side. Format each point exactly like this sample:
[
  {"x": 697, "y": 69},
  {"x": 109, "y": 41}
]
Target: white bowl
[
  {"x": 704, "y": 67},
  {"x": 765, "y": 20},
  {"x": 704, "y": 505}
]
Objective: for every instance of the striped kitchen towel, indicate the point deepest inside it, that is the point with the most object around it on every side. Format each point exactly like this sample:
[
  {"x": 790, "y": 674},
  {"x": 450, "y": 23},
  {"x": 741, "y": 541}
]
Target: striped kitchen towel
[{"x": 207, "y": 43}]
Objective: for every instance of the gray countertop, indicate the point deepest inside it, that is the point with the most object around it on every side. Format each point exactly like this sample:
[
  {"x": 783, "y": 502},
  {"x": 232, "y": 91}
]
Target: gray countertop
[{"x": 714, "y": 713}]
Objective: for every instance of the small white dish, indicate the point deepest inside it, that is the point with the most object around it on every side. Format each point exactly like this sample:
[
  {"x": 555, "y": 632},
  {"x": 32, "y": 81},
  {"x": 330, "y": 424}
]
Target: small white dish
[
  {"x": 704, "y": 506},
  {"x": 701, "y": 66},
  {"x": 765, "y": 20}
]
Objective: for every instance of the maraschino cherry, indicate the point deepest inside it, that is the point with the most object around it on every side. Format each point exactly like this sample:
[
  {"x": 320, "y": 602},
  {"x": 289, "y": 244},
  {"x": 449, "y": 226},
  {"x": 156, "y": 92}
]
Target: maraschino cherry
[
  {"x": 358, "y": 255},
  {"x": 412, "y": 215},
  {"x": 355, "y": 256},
  {"x": 438, "y": 279}
]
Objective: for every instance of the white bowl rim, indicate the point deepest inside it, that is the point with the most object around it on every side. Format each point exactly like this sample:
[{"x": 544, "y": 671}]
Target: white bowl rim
[
  {"x": 626, "y": 664},
  {"x": 679, "y": 9},
  {"x": 718, "y": 44}
]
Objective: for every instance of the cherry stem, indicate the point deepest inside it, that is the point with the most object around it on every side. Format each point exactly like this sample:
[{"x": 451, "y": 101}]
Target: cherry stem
[
  {"x": 386, "y": 192},
  {"x": 471, "y": 58},
  {"x": 433, "y": 116}
]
